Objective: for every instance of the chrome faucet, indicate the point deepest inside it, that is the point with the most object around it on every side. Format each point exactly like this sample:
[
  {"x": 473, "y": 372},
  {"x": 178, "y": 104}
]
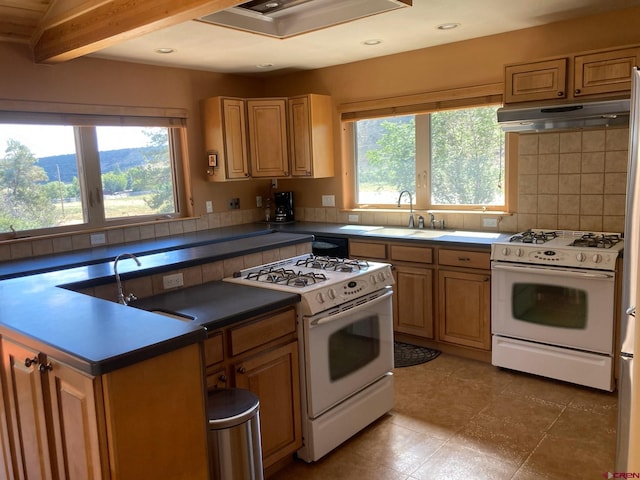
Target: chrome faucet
[
  {"x": 122, "y": 298},
  {"x": 411, "y": 221}
]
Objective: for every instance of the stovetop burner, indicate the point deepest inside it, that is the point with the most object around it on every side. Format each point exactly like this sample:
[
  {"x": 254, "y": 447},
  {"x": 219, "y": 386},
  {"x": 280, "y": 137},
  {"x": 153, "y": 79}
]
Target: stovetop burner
[
  {"x": 594, "y": 240},
  {"x": 286, "y": 276},
  {"x": 529, "y": 236},
  {"x": 333, "y": 263}
]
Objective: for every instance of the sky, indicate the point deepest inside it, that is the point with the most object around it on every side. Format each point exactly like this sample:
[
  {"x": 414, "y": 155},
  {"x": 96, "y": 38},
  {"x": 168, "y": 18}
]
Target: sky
[{"x": 49, "y": 140}]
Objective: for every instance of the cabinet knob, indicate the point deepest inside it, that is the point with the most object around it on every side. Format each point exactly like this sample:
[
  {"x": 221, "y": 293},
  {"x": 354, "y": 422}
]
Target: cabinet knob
[
  {"x": 560, "y": 94},
  {"x": 242, "y": 370},
  {"x": 223, "y": 378},
  {"x": 45, "y": 367},
  {"x": 30, "y": 361},
  {"x": 577, "y": 91}
]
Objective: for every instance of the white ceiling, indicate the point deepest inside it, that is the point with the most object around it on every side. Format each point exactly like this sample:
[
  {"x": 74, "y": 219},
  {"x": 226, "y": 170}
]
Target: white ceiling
[{"x": 208, "y": 47}]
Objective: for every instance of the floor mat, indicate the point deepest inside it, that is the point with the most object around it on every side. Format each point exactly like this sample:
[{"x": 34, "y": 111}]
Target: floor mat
[{"x": 406, "y": 355}]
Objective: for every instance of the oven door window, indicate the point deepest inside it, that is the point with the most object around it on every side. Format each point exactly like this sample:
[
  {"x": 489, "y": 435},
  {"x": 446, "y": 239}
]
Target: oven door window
[
  {"x": 353, "y": 347},
  {"x": 550, "y": 305}
]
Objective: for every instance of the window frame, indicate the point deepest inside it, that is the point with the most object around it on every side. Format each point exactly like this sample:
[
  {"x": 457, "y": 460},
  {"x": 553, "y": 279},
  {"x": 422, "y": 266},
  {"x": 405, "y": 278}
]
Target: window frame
[
  {"x": 84, "y": 119},
  {"x": 421, "y": 105}
]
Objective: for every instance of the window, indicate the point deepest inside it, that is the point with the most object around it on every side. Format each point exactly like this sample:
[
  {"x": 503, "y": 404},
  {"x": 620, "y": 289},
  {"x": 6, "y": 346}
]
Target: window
[
  {"x": 63, "y": 177},
  {"x": 446, "y": 159}
]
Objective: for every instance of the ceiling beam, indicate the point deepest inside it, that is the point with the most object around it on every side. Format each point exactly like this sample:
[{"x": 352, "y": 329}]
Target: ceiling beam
[{"x": 114, "y": 21}]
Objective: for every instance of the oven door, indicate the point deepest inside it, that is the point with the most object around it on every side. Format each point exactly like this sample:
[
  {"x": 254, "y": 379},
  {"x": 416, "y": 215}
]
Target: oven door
[
  {"x": 557, "y": 306},
  {"x": 347, "y": 348}
]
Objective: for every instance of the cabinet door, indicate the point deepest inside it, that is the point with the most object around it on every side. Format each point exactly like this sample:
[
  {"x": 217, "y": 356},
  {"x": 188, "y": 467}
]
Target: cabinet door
[
  {"x": 311, "y": 136},
  {"x": 28, "y": 423},
  {"x": 606, "y": 72},
  {"x": 235, "y": 138},
  {"x": 536, "y": 81},
  {"x": 413, "y": 301},
  {"x": 268, "y": 138},
  {"x": 75, "y": 423},
  {"x": 465, "y": 308},
  {"x": 273, "y": 376}
]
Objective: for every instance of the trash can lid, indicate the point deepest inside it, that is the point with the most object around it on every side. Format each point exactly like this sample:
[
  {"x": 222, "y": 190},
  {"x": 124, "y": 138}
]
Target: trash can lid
[{"x": 227, "y": 407}]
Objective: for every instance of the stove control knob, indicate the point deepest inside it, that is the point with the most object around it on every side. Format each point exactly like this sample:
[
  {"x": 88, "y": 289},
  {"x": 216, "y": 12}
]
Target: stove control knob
[
  {"x": 519, "y": 252},
  {"x": 331, "y": 293},
  {"x": 381, "y": 276},
  {"x": 373, "y": 279},
  {"x": 506, "y": 251},
  {"x": 581, "y": 257},
  {"x": 597, "y": 258},
  {"x": 320, "y": 297}
]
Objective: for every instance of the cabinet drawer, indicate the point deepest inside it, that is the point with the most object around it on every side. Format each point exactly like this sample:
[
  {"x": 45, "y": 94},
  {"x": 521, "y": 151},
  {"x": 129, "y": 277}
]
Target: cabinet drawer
[
  {"x": 263, "y": 331},
  {"x": 367, "y": 250},
  {"x": 462, "y": 258},
  {"x": 213, "y": 350},
  {"x": 408, "y": 253}
]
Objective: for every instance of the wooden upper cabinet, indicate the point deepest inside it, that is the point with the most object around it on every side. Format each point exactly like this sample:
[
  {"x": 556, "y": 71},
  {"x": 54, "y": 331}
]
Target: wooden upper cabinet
[
  {"x": 268, "y": 137},
  {"x": 225, "y": 134},
  {"x": 311, "y": 136},
  {"x": 536, "y": 81},
  {"x": 605, "y": 72}
]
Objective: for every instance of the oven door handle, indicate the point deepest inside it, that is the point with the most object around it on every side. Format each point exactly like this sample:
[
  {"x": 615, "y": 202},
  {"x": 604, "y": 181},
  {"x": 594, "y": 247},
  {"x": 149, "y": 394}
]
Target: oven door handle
[
  {"x": 321, "y": 319},
  {"x": 552, "y": 271}
]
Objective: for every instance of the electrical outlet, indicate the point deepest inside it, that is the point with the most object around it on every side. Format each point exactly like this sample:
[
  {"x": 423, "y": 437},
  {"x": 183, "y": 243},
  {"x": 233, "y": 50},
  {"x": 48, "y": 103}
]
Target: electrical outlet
[
  {"x": 354, "y": 218},
  {"x": 258, "y": 201},
  {"x": 172, "y": 281},
  {"x": 274, "y": 183},
  {"x": 489, "y": 222},
  {"x": 209, "y": 205},
  {"x": 236, "y": 203},
  {"x": 328, "y": 200},
  {"x": 98, "y": 239}
]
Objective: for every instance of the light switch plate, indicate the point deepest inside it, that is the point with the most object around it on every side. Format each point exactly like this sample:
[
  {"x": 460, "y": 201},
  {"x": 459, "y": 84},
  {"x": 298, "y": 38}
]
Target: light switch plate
[
  {"x": 328, "y": 200},
  {"x": 209, "y": 205},
  {"x": 489, "y": 222}
]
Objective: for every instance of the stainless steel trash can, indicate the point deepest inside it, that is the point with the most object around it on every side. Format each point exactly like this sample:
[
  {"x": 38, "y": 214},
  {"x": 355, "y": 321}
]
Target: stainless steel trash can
[{"x": 234, "y": 435}]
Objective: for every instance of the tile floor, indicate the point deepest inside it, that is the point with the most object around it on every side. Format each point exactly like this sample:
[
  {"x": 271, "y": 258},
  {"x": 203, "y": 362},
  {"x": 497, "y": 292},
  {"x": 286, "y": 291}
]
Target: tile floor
[{"x": 461, "y": 419}]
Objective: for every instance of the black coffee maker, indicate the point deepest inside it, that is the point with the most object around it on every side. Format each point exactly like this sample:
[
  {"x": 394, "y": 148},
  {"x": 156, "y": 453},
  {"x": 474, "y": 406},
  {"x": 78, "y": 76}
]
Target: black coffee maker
[{"x": 284, "y": 206}]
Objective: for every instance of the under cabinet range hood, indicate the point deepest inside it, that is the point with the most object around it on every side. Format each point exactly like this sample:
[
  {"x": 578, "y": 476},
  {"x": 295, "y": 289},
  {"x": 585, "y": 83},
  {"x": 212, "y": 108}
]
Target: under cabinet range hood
[
  {"x": 287, "y": 18},
  {"x": 603, "y": 113}
]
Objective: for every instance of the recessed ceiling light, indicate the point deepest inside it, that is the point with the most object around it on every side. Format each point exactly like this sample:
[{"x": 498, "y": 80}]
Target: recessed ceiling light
[
  {"x": 165, "y": 50},
  {"x": 265, "y": 65},
  {"x": 373, "y": 41},
  {"x": 447, "y": 26}
]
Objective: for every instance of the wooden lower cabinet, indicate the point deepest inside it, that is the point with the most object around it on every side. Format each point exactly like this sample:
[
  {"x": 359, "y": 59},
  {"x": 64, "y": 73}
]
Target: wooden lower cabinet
[
  {"x": 261, "y": 355},
  {"x": 143, "y": 421},
  {"x": 273, "y": 376},
  {"x": 464, "y": 308},
  {"x": 413, "y": 301}
]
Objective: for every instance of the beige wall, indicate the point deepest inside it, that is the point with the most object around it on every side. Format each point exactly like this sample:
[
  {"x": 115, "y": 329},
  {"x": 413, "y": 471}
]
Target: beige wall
[{"x": 475, "y": 62}]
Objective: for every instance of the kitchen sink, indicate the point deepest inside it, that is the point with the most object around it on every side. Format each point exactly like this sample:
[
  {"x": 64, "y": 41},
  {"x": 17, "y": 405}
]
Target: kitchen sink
[{"x": 407, "y": 232}]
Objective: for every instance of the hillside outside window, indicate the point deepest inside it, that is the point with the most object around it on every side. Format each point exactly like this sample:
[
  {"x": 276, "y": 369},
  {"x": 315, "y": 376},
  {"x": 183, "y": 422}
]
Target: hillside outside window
[
  {"x": 450, "y": 159},
  {"x": 55, "y": 177}
]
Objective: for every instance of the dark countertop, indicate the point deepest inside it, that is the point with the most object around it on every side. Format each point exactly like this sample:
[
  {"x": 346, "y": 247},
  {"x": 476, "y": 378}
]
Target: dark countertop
[
  {"x": 460, "y": 238},
  {"x": 42, "y": 311},
  {"x": 217, "y": 304},
  {"x": 40, "y": 308}
]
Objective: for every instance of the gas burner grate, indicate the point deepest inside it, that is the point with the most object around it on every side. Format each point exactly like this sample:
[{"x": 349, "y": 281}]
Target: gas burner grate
[
  {"x": 530, "y": 236},
  {"x": 333, "y": 263},
  {"x": 593, "y": 240},
  {"x": 286, "y": 276}
]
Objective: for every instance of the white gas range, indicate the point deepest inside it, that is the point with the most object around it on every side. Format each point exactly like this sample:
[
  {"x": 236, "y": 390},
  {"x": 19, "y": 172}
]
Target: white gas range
[
  {"x": 345, "y": 339},
  {"x": 553, "y": 304}
]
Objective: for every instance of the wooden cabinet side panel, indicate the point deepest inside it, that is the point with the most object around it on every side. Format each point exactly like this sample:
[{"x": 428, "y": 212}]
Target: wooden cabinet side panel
[
  {"x": 322, "y": 136},
  {"x": 464, "y": 308},
  {"x": 268, "y": 138},
  {"x": 273, "y": 376},
  {"x": 413, "y": 301},
  {"x": 156, "y": 418},
  {"x": 75, "y": 424},
  {"x": 536, "y": 81},
  {"x": 27, "y": 413}
]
